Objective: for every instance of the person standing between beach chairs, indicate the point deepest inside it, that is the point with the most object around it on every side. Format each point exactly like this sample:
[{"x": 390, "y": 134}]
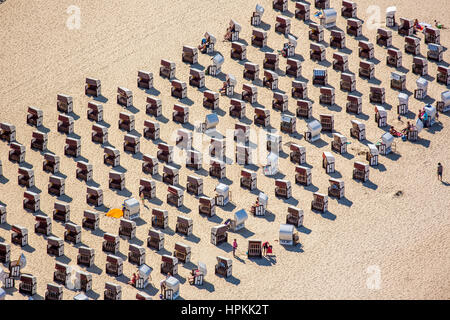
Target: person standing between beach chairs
[
  {"x": 234, "y": 247},
  {"x": 440, "y": 169}
]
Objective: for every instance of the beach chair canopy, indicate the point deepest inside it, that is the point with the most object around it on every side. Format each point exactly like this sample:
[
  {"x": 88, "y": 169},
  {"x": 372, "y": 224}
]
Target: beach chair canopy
[
  {"x": 430, "y": 110},
  {"x": 186, "y": 134},
  {"x": 299, "y": 84},
  {"x": 336, "y": 182},
  {"x": 398, "y": 76},
  {"x": 286, "y": 232},
  {"x": 190, "y": 50},
  {"x": 304, "y": 104},
  {"x": 270, "y": 74},
  {"x": 319, "y": 72},
  {"x": 202, "y": 268},
  {"x": 197, "y": 73},
  {"x": 354, "y": 99},
  {"x": 316, "y": 27},
  {"x": 31, "y": 195},
  {"x": 153, "y": 101},
  {"x": 329, "y": 15},
  {"x": 210, "y": 37},
  {"x": 381, "y": 111},
  {"x": 160, "y": 213},
  {"x": 167, "y": 64},
  {"x": 93, "y": 82},
  {"x": 412, "y": 40},
  {"x": 124, "y": 91},
  {"x": 227, "y": 262},
  {"x": 259, "y": 34},
  {"x": 248, "y": 174},
  {"x": 280, "y": 96},
  {"x": 314, "y": 127},
  {"x": 287, "y": 119},
  {"x": 64, "y": 98},
  {"x": 361, "y": 166},
  {"x": 116, "y": 175},
  {"x": 236, "y": 26},
  {"x": 231, "y": 79},
  {"x": 184, "y": 220},
  {"x": 303, "y": 170},
  {"x": 99, "y": 129},
  {"x": 394, "y": 53},
  {"x": 355, "y": 23},
  {"x": 341, "y": 57},
  {"x": 238, "y": 46},
  {"x": 339, "y": 137},
  {"x": 179, "y": 84},
  {"x": 263, "y": 199},
  {"x": 126, "y": 116},
  {"x": 217, "y": 163},
  {"x": 94, "y": 191},
  {"x": 327, "y": 91},
  {"x": 366, "y": 65},
  {"x": 151, "y": 124},
  {"x": 240, "y": 216},
  {"x": 407, "y": 23},
  {"x": 435, "y": 47},
  {"x": 294, "y": 63},
  {"x": 337, "y": 34},
  {"x": 222, "y": 189},
  {"x": 259, "y": 9},
  {"x": 358, "y": 125},
  {"x": 317, "y": 47},
  {"x": 373, "y": 149},
  {"x": 297, "y": 148},
  {"x": 384, "y": 32},
  {"x": 131, "y": 203},
  {"x": 145, "y": 75},
  {"x": 318, "y": 195},
  {"x": 365, "y": 45},
  {"x": 173, "y": 284},
  {"x": 176, "y": 191},
  {"x": 145, "y": 270},
  {"x": 445, "y": 97},
  {"x": 131, "y": 138},
  {"x": 422, "y": 83},
  {"x": 328, "y": 156},
  {"x": 211, "y": 95},
  {"x": 206, "y": 201},
  {"x": 387, "y": 138},
  {"x": 218, "y": 60},
  {"x": 390, "y": 11},
  {"x": 347, "y": 77},
  {"x": 292, "y": 40},
  {"x": 165, "y": 147}
]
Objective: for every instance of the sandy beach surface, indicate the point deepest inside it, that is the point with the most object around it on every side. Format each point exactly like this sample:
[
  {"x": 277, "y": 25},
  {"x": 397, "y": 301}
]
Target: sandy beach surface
[{"x": 396, "y": 225}]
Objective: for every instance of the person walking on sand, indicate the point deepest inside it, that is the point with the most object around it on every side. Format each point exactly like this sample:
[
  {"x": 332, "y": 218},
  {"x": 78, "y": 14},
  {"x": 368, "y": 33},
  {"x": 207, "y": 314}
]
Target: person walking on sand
[
  {"x": 234, "y": 247},
  {"x": 440, "y": 169},
  {"x": 265, "y": 247},
  {"x": 142, "y": 197}
]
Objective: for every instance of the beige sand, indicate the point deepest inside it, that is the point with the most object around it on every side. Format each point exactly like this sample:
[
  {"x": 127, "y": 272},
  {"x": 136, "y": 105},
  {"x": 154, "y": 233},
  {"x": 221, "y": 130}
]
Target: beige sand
[{"x": 406, "y": 237}]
